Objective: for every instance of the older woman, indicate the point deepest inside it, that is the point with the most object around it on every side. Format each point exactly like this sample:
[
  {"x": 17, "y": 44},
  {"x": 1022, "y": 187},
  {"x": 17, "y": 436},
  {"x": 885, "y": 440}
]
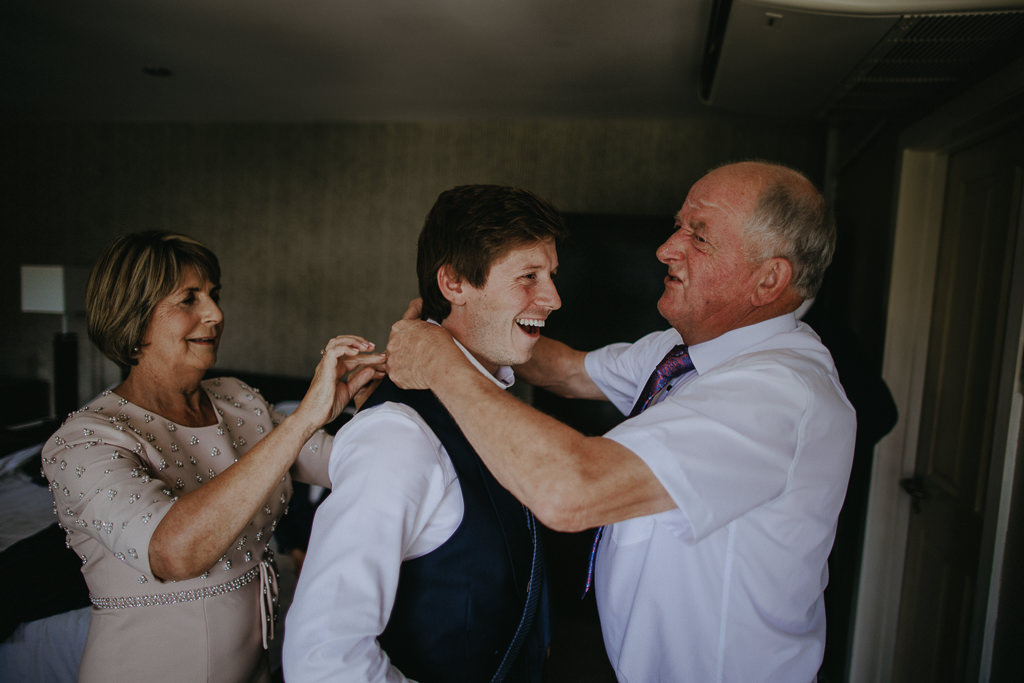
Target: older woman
[{"x": 170, "y": 486}]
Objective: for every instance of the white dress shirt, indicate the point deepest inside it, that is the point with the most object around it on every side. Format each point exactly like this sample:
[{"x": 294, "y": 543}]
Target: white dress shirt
[
  {"x": 755, "y": 448},
  {"x": 394, "y": 497}
]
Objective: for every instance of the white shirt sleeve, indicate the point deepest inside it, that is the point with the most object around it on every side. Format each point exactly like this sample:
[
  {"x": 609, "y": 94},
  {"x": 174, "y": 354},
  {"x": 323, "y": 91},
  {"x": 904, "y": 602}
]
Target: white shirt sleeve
[
  {"x": 395, "y": 496},
  {"x": 723, "y": 443}
]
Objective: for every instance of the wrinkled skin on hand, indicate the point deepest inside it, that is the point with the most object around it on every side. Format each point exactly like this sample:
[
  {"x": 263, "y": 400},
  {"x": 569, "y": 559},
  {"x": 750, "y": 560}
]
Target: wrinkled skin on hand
[
  {"x": 415, "y": 348},
  {"x": 345, "y": 368}
]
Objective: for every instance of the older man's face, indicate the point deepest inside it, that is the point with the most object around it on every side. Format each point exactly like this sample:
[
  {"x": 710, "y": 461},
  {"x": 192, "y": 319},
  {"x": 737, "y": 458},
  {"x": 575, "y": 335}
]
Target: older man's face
[
  {"x": 500, "y": 322},
  {"x": 710, "y": 281}
]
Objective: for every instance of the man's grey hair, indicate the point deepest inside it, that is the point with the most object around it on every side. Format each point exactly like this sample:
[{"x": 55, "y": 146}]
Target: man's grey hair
[{"x": 791, "y": 220}]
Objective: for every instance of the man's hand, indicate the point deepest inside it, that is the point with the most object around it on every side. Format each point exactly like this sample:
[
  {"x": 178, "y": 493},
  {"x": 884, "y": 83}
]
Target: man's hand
[
  {"x": 415, "y": 349},
  {"x": 414, "y": 311}
]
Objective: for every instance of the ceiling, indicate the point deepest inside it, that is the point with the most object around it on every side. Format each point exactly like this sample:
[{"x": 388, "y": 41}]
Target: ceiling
[
  {"x": 387, "y": 60},
  {"x": 270, "y": 60}
]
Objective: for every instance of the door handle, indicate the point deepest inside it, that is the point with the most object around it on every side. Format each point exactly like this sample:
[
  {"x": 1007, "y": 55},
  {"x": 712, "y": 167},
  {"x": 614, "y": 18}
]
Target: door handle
[{"x": 914, "y": 486}]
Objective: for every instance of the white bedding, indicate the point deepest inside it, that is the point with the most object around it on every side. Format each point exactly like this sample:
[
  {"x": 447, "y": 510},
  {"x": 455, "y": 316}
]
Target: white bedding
[
  {"x": 46, "y": 649},
  {"x": 25, "y": 507}
]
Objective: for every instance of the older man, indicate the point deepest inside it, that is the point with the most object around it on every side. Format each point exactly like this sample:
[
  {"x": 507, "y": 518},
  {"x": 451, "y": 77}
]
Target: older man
[{"x": 723, "y": 486}]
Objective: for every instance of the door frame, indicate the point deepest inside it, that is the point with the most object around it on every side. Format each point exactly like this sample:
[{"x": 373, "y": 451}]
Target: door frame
[{"x": 924, "y": 152}]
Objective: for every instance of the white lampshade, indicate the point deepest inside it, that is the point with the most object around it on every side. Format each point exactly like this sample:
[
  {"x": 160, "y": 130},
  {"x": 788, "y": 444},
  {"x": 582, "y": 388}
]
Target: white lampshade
[{"x": 53, "y": 289}]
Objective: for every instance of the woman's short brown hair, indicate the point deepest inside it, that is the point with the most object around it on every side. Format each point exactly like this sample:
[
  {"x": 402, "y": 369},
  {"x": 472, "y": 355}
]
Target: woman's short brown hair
[{"x": 131, "y": 276}]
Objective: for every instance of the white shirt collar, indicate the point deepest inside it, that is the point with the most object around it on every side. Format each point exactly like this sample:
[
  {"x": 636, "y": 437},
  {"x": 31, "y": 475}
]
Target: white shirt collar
[
  {"x": 707, "y": 355},
  {"x": 504, "y": 376}
]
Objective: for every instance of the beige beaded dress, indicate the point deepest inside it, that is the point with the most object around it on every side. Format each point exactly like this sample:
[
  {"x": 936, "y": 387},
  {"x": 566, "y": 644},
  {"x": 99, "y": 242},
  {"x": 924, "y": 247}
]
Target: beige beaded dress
[{"x": 114, "y": 471}]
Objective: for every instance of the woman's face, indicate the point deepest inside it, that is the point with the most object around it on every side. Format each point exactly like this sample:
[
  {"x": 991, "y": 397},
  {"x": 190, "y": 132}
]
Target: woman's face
[{"x": 184, "y": 332}]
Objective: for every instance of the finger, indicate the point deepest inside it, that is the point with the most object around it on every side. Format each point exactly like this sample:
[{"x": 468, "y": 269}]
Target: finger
[
  {"x": 402, "y": 324},
  {"x": 414, "y": 311},
  {"x": 349, "y": 341},
  {"x": 348, "y": 345},
  {"x": 351, "y": 338},
  {"x": 361, "y": 378},
  {"x": 375, "y": 360},
  {"x": 360, "y": 395}
]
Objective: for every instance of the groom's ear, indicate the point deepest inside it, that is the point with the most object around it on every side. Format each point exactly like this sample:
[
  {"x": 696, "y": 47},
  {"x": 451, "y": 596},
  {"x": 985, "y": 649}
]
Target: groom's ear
[{"x": 451, "y": 285}]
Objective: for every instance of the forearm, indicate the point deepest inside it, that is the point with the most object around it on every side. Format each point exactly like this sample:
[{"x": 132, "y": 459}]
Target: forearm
[
  {"x": 570, "y": 481},
  {"x": 560, "y": 369},
  {"x": 203, "y": 523}
]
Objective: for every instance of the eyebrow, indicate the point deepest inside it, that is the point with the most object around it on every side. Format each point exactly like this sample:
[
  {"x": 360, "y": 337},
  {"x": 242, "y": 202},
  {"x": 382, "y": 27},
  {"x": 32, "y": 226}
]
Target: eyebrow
[{"x": 187, "y": 290}]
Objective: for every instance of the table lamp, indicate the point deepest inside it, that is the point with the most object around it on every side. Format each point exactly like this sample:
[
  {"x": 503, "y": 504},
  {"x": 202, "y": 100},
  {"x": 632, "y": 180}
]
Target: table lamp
[{"x": 60, "y": 290}]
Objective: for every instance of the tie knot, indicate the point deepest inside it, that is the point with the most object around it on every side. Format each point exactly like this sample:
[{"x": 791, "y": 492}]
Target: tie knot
[
  {"x": 676, "y": 351},
  {"x": 676, "y": 362}
]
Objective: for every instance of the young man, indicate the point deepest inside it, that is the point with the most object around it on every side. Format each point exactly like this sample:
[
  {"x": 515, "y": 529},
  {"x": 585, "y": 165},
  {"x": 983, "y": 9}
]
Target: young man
[
  {"x": 723, "y": 486},
  {"x": 420, "y": 564}
]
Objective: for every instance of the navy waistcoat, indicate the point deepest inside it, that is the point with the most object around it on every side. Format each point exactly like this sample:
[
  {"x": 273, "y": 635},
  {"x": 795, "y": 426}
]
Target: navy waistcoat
[{"x": 457, "y": 608}]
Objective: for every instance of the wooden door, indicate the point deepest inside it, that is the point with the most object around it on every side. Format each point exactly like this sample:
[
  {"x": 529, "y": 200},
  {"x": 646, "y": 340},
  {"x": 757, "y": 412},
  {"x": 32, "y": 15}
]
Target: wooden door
[{"x": 965, "y": 352}]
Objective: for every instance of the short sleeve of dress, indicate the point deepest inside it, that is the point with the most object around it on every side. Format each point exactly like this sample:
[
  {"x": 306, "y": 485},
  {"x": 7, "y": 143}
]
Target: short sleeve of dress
[
  {"x": 311, "y": 467},
  {"x": 311, "y": 464},
  {"x": 103, "y": 487}
]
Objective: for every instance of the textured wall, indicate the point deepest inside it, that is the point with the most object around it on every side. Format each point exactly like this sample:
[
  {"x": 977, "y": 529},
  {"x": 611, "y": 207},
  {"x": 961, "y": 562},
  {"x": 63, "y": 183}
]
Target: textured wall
[{"x": 316, "y": 224}]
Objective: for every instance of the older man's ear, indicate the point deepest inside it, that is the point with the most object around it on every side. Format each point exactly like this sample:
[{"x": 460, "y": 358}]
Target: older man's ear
[{"x": 776, "y": 275}]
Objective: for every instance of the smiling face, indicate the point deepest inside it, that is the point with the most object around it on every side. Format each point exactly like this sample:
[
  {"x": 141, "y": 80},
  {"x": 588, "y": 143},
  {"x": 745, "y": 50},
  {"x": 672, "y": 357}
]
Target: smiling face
[
  {"x": 710, "y": 282},
  {"x": 184, "y": 331},
  {"x": 500, "y": 322}
]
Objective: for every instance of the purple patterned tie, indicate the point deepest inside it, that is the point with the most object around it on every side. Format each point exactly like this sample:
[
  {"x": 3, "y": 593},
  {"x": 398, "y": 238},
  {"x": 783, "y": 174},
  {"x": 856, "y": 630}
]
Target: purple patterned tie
[{"x": 675, "y": 363}]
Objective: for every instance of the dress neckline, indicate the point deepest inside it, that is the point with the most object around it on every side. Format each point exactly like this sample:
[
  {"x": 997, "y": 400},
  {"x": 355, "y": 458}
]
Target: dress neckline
[{"x": 218, "y": 422}]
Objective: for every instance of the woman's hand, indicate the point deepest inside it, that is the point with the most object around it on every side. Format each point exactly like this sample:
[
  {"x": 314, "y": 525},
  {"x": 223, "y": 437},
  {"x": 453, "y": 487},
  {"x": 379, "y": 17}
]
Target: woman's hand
[{"x": 347, "y": 365}]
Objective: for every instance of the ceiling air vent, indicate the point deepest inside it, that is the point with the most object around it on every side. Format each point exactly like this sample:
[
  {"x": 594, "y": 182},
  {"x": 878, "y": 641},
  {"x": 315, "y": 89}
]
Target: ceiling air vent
[
  {"x": 926, "y": 59},
  {"x": 839, "y": 59}
]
